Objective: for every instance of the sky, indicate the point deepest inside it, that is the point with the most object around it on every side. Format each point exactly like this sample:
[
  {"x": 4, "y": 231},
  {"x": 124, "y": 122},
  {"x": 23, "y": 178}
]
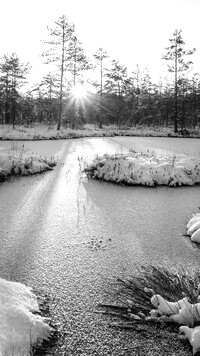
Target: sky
[{"x": 131, "y": 31}]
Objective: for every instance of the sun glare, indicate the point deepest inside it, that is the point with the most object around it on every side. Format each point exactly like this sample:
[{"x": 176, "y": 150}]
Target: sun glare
[{"x": 79, "y": 91}]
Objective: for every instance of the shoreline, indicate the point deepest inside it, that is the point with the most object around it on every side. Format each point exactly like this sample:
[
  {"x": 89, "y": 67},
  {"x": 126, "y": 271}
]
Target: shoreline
[{"x": 41, "y": 133}]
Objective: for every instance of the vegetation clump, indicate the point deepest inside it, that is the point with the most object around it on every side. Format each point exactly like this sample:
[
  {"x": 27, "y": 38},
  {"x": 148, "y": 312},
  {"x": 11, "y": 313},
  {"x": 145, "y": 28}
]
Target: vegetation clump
[
  {"x": 179, "y": 304},
  {"x": 17, "y": 162},
  {"x": 146, "y": 169}
]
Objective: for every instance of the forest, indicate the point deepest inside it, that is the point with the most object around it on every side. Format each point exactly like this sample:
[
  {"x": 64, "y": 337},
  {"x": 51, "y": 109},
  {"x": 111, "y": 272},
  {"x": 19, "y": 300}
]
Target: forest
[{"x": 99, "y": 90}]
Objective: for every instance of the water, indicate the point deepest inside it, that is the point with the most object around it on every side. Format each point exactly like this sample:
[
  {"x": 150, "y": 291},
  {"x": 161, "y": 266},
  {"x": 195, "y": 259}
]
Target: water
[{"x": 71, "y": 237}]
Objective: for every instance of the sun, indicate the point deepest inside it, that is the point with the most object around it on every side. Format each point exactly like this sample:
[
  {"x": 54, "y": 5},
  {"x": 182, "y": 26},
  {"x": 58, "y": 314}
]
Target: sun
[{"x": 79, "y": 91}]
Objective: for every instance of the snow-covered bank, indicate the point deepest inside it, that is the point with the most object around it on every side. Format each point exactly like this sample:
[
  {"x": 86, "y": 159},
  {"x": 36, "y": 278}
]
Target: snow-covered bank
[
  {"x": 42, "y": 132},
  {"x": 21, "y": 327},
  {"x": 19, "y": 162},
  {"x": 146, "y": 169}
]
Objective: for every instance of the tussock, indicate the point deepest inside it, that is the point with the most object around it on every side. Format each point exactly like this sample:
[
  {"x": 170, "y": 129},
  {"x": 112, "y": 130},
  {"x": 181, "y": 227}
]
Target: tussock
[{"x": 132, "y": 297}]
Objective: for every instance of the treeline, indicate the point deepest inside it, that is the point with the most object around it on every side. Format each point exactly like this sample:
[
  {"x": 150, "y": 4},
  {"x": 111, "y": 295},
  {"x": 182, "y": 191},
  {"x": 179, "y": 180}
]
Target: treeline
[{"x": 114, "y": 97}]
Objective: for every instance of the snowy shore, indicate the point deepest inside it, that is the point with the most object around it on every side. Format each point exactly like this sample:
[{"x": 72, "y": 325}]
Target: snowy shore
[
  {"x": 21, "y": 326},
  {"x": 42, "y": 132},
  {"x": 146, "y": 169},
  {"x": 19, "y": 163}
]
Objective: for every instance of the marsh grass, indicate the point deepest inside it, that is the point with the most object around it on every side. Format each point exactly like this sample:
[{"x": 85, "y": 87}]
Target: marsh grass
[
  {"x": 46, "y": 347},
  {"x": 132, "y": 297},
  {"x": 42, "y": 132}
]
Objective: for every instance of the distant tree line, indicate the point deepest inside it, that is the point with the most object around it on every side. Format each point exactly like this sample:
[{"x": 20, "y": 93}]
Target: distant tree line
[{"x": 116, "y": 98}]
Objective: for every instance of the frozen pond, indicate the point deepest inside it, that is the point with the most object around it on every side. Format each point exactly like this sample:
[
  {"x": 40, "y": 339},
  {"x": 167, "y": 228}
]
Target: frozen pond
[{"x": 71, "y": 237}]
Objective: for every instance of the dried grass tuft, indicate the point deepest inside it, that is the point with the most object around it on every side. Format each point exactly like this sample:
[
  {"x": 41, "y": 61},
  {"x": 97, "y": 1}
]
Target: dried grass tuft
[{"x": 132, "y": 297}]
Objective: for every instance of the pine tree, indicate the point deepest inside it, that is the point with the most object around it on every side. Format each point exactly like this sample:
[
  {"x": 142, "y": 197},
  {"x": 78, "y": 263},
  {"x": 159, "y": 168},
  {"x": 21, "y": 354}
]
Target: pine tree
[
  {"x": 77, "y": 60},
  {"x": 76, "y": 65},
  {"x": 117, "y": 84},
  {"x": 57, "y": 53},
  {"x": 195, "y": 98},
  {"x": 136, "y": 80},
  {"x": 49, "y": 89},
  {"x": 100, "y": 55},
  {"x": 50, "y": 86},
  {"x": 175, "y": 54},
  {"x": 13, "y": 76}
]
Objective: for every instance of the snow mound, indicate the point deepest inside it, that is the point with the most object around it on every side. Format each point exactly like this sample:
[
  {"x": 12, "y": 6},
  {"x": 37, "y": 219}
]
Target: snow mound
[
  {"x": 20, "y": 327},
  {"x": 146, "y": 169},
  {"x": 193, "y": 228}
]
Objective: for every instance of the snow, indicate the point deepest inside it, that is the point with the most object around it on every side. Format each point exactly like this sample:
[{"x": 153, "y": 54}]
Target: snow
[
  {"x": 193, "y": 335},
  {"x": 20, "y": 327},
  {"x": 147, "y": 169},
  {"x": 163, "y": 306},
  {"x": 193, "y": 220},
  {"x": 193, "y": 228},
  {"x": 181, "y": 312},
  {"x": 18, "y": 162}
]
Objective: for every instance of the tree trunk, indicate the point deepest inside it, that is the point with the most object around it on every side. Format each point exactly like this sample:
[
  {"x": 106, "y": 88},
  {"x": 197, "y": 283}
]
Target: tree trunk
[
  {"x": 100, "y": 119},
  {"x": 176, "y": 92},
  {"x": 61, "y": 80},
  {"x": 74, "y": 80}
]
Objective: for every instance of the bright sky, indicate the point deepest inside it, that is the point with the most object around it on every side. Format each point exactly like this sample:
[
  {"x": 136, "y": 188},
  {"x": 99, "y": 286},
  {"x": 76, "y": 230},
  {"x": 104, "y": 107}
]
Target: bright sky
[{"x": 131, "y": 31}]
